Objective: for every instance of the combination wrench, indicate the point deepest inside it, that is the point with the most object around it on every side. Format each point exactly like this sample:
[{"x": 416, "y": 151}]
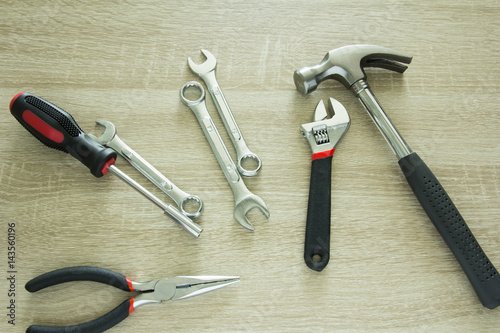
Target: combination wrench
[
  {"x": 110, "y": 139},
  {"x": 244, "y": 199},
  {"x": 206, "y": 71}
]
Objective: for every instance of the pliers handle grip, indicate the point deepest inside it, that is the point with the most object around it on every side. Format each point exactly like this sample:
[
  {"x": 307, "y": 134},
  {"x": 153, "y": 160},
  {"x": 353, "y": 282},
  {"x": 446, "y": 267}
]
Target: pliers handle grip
[{"x": 84, "y": 273}]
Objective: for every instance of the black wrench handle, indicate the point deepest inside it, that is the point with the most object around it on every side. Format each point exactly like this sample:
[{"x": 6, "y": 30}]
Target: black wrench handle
[
  {"x": 317, "y": 238},
  {"x": 437, "y": 204}
]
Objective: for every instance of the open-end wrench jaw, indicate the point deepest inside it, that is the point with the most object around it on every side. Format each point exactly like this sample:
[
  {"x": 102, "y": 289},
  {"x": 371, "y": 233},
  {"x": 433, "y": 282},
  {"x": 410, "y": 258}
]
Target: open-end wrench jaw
[
  {"x": 108, "y": 134},
  {"x": 246, "y": 204},
  {"x": 207, "y": 66},
  {"x": 323, "y": 134}
]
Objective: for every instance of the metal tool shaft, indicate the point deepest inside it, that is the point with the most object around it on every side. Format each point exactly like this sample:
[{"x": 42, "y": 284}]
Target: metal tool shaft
[
  {"x": 362, "y": 90},
  {"x": 221, "y": 103},
  {"x": 242, "y": 150},
  {"x": 170, "y": 210}
]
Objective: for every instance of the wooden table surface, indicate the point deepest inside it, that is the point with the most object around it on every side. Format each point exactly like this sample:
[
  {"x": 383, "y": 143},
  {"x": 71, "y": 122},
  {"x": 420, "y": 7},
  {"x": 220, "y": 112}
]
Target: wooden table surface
[{"x": 125, "y": 61}]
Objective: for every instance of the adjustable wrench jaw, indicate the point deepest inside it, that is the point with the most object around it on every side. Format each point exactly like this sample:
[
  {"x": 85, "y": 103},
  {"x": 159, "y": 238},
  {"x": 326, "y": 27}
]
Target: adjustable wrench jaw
[
  {"x": 323, "y": 134},
  {"x": 346, "y": 65}
]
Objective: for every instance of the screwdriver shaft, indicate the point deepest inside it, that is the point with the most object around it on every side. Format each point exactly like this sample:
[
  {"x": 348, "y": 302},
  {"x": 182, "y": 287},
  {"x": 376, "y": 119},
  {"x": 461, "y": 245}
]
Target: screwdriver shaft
[{"x": 170, "y": 210}]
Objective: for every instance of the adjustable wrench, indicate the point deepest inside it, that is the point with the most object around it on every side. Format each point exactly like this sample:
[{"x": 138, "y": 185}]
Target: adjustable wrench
[
  {"x": 206, "y": 71},
  {"x": 110, "y": 139},
  {"x": 323, "y": 135},
  {"x": 244, "y": 199}
]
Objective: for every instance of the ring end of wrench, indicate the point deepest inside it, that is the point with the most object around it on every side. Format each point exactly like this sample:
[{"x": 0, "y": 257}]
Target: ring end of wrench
[
  {"x": 185, "y": 202},
  {"x": 192, "y": 84},
  {"x": 247, "y": 172}
]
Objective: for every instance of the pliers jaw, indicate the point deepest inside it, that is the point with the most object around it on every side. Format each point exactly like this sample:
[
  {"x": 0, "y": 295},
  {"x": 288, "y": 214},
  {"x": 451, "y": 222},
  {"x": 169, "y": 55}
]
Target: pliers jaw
[
  {"x": 154, "y": 291},
  {"x": 178, "y": 287},
  {"x": 323, "y": 134}
]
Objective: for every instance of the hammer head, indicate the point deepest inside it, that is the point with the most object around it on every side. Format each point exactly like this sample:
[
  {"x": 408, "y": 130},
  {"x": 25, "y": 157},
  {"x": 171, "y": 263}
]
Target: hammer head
[{"x": 346, "y": 64}]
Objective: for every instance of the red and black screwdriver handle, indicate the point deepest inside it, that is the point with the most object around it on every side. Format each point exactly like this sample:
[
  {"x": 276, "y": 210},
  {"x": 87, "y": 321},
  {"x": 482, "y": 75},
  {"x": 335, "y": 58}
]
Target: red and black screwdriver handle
[
  {"x": 57, "y": 129},
  {"x": 317, "y": 237},
  {"x": 85, "y": 273}
]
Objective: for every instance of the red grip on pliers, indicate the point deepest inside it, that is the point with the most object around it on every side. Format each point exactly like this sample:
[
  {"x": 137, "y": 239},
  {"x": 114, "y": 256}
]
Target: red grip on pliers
[
  {"x": 131, "y": 287},
  {"x": 131, "y": 306}
]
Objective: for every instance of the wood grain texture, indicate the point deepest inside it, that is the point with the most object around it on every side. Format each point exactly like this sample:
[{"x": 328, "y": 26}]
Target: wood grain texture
[{"x": 125, "y": 62}]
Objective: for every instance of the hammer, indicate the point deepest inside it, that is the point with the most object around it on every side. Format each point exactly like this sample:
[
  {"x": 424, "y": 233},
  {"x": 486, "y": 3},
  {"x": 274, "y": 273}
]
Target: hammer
[{"x": 346, "y": 64}]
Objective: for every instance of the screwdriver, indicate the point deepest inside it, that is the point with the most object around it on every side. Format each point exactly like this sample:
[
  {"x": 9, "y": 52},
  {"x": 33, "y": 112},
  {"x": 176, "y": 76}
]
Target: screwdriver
[{"x": 57, "y": 129}]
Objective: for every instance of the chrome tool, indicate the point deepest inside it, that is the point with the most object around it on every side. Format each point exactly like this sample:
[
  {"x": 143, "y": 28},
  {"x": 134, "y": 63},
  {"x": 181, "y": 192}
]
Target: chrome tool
[
  {"x": 323, "y": 135},
  {"x": 244, "y": 199},
  {"x": 206, "y": 71}
]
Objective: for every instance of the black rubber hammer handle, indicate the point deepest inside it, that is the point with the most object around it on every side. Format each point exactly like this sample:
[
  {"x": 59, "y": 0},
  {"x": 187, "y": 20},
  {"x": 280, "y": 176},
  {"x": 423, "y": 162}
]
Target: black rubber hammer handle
[{"x": 437, "y": 204}]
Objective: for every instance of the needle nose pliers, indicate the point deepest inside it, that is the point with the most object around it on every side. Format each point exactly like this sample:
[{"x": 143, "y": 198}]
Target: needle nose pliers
[{"x": 153, "y": 291}]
